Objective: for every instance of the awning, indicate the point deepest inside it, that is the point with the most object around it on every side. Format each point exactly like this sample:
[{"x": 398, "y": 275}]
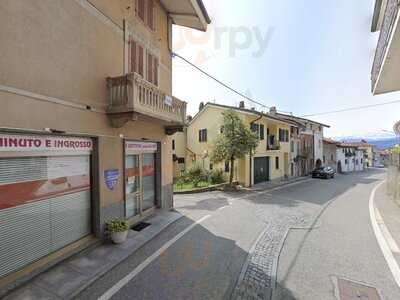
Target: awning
[{"x": 188, "y": 13}]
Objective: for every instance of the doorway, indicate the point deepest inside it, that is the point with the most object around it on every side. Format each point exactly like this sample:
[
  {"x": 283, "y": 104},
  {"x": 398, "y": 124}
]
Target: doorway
[
  {"x": 140, "y": 179},
  {"x": 261, "y": 169}
]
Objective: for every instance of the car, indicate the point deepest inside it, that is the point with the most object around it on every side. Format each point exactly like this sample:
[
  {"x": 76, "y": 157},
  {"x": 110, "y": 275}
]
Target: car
[{"x": 323, "y": 172}]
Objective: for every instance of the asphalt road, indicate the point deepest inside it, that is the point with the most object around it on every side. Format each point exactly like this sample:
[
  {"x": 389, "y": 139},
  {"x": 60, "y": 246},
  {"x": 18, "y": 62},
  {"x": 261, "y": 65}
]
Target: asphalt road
[{"x": 206, "y": 262}]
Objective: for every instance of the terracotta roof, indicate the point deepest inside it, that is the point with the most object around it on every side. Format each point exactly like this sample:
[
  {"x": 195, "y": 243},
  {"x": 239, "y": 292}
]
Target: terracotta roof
[
  {"x": 330, "y": 141},
  {"x": 301, "y": 119}
]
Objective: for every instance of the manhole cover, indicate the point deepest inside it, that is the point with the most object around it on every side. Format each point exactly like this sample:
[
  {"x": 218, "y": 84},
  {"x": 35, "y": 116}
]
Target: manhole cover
[
  {"x": 350, "y": 290},
  {"x": 140, "y": 226}
]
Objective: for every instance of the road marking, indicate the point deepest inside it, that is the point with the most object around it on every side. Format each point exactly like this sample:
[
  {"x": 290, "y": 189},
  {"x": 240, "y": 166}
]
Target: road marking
[
  {"x": 386, "y": 233},
  {"x": 387, "y": 253},
  {"x": 120, "y": 284}
]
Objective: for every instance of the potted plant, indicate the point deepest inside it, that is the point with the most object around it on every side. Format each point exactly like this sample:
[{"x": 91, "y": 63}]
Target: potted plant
[{"x": 118, "y": 230}]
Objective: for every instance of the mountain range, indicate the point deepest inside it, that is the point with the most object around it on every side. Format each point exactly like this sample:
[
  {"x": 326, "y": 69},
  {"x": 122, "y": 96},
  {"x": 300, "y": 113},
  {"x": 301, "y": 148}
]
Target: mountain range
[{"x": 381, "y": 141}]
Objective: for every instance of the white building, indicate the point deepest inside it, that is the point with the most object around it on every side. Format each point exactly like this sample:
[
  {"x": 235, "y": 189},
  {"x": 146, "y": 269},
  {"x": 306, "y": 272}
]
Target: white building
[{"x": 349, "y": 158}]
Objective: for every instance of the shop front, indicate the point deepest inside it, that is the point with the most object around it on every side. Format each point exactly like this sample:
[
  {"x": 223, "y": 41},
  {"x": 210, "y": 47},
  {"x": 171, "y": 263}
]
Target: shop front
[
  {"x": 141, "y": 179},
  {"x": 45, "y": 196}
]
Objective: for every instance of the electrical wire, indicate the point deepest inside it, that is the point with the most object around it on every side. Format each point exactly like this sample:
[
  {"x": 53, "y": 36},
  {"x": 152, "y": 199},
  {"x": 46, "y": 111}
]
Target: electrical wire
[
  {"x": 222, "y": 83},
  {"x": 351, "y": 108}
]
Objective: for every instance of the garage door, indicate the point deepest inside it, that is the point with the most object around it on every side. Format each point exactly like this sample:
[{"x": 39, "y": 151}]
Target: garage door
[
  {"x": 45, "y": 197},
  {"x": 261, "y": 169}
]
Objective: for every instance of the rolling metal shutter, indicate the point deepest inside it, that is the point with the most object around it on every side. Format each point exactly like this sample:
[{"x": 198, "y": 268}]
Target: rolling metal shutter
[{"x": 45, "y": 204}]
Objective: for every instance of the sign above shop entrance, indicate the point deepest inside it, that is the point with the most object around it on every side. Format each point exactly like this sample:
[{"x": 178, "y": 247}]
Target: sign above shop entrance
[
  {"x": 140, "y": 146},
  {"x": 10, "y": 142}
]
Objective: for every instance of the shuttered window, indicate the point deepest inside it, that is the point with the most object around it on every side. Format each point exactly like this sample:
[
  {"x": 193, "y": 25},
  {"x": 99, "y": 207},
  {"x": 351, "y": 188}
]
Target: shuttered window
[
  {"x": 140, "y": 69},
  {"x": 202, "y": 135},
  {"x": 155, "y": 71},
  {"x": 140, "y": 9},
  {"x": 150, "y": 14},
  {"x": 133, "y": 64},
  {"x": 149, "y": 67}
]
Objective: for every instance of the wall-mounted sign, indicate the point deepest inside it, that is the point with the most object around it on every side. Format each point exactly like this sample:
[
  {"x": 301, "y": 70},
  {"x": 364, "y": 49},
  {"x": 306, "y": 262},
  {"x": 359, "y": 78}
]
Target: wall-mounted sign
[
  {"x": 43, "y": 143},
  {"x": 168, "y": 100},
  {"x": 111, "y": 178},
  {"x": 140, "y": 147}
]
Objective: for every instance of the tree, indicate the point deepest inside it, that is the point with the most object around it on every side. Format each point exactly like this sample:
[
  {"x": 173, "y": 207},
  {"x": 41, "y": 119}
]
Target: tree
[{"x": 236, "y": 141}]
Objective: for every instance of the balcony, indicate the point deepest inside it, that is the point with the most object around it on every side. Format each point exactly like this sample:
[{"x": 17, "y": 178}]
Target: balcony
[
  {"x": 386, "y": 67},
  {"x": 130, "y": 98},
  {"x": 306, "y": 152},
  {"x": 273, "y": 145}
]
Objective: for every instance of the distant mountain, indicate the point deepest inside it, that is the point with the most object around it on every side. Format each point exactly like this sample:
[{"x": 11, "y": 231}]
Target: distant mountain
[{"x": 382, "y": 140}]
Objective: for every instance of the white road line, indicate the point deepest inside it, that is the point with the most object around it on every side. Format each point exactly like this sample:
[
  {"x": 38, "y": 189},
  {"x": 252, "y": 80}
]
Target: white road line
[
  {"x": 386, "y": 233},
  {"x": 387, "y": 253},
  {"x": 120, "y": 284}
]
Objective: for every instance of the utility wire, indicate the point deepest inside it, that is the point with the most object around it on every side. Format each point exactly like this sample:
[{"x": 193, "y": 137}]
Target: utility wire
[
  {"x": 352, "y": 108},
  {"x": 220, "y": 82},
  {"x": 259, "y": 103}
]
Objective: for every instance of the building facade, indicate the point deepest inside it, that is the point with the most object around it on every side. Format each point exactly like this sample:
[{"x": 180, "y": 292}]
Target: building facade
[
  {"x": 330, "y": 153},
  {"x": 385, "y": 72},
  {"x": 311, "y": 135},
  {"x": 87, "y": 114},
  {"x": 272, "y": 158},
  {"x": 349, "y": 158}
]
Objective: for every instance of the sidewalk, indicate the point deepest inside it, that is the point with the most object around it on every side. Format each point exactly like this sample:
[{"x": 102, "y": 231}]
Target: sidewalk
[
  {"x": 388, "y": 213},
  {"x": 68, "y": 278},
  {"x": 274, "y": 184}
]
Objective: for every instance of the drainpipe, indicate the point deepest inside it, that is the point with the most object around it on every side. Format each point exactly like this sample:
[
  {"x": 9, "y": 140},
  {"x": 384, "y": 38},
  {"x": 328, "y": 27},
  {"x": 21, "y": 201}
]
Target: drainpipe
[{"x": 251, "y": 123}]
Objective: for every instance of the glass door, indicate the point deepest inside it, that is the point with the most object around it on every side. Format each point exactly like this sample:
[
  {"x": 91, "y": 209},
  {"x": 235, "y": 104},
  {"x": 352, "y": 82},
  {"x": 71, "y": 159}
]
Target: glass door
[
  {"x": 132, "y": 185},
  {"x": 149, "y": 180}
]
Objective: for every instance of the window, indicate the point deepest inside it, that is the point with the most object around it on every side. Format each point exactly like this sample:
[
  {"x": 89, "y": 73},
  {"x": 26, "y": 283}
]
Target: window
[
  {"x": 140, "y": 9},
  {"x": 361, "y": 160},
  {"x": 152, "y": 69},
  {"x": 181, "y": 160},
  {"x": 323, "y": 159},
  {"x": 346, "y": 161},
  {"x": 221, "y": 130},
  {"x": 132, "y": 57},
  {"x": 255, "y": 128},
  {"x": 211, "y": 166},
  {"x": 140, "y": 68},
  {"x": 277, "y": 163},
  {"x": 292, "y": 146},
  {"x": 145, "y": 12},
  {"x": 202, "y": 135},
  {"x": 331, "y": 157},
  {"x": 173, "y": 144},
  {"x": 283, "y": 135},
  {"x": 227, "y": 166},
  {"x": 357, "y": 162},
  {"x": 261, "y": 132},
  {"x": 150, "y": 14}
]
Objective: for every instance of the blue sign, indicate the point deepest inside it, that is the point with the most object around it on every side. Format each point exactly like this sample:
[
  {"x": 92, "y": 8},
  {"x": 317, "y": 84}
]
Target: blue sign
[{"x": 111, "y": 178}]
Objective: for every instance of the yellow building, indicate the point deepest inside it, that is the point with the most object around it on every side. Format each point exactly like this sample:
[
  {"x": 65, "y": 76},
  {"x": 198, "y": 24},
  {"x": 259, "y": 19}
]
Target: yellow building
[
  {"x": 86, "y": 116},
  {"x": 271, "y": 160}
]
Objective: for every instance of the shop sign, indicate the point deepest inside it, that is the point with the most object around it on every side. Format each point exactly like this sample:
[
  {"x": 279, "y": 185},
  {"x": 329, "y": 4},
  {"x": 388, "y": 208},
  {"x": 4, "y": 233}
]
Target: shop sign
[
  {"x": 111, "y": 178},
  {"x": 43, "y": 143},
  {"x": 140, "y": 146}
]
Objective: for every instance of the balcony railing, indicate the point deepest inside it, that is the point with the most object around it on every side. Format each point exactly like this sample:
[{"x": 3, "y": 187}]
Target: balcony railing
[
  {"x": 392, "y": 9},
  {"x": 273, "y": 146},
  {"x": 132, "y": 94}
]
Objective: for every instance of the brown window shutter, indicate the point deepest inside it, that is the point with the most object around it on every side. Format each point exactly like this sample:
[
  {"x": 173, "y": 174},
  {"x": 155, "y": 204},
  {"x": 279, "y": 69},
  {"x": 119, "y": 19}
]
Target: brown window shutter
[
  {"x": 155, "y": 71},
  {"x": 149, "y": 67},
  {"x": 140, "y": 60},
  {"x": 141, "y": 7},
  {"x": 150, "y": 14},
  {"x": 133, "y": 66}
]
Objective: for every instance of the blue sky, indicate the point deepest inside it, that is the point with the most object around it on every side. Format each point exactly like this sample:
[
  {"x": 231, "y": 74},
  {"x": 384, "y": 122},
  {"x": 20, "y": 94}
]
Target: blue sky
[{"x": 318, "y": 58}]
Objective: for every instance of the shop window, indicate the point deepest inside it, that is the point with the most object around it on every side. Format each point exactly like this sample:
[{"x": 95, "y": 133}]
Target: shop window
[
  {"x": 277, "y": 162},
  {"x": 202, "y": 135}
]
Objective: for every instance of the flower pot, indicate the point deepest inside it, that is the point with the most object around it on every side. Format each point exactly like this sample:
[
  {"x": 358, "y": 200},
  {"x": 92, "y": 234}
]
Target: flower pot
[{"x": 119, "y": 237}]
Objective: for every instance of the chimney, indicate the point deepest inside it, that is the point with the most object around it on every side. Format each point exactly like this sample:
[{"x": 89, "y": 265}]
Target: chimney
[
  {"x": 241, "y": 104},
  {"x": 201, "y": 106},
  {"x": 273, "y": 110}
]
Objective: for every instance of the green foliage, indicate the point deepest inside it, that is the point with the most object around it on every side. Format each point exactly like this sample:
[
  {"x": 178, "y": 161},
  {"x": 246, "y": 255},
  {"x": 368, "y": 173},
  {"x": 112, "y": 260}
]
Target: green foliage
[
  {"x": 236, "y": 141},
  {"x": 217, "y": 176},
  {"x": 195, "y": 175},
  {"x": 117, "y": 226}
]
